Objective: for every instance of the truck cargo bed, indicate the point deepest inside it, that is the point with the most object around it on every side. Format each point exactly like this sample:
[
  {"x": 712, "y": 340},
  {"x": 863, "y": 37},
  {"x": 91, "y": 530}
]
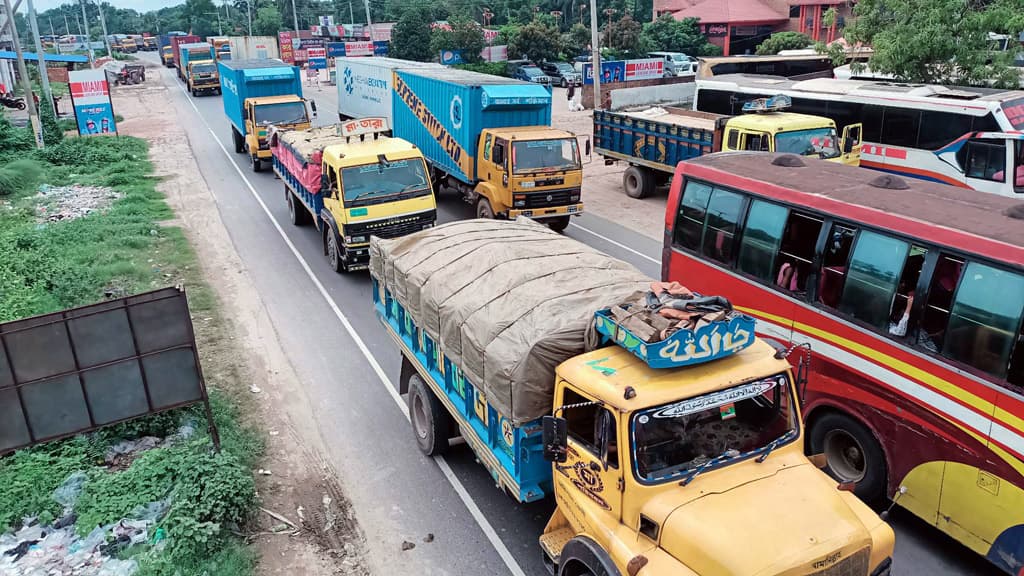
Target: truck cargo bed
[{"x": 658, "y": 138}]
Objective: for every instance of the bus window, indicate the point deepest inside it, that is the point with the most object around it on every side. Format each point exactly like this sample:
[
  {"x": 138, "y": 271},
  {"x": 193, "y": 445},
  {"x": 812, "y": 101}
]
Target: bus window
[
  {"x": 932, "y": 331},
  {"x": 733, "y": 143},
  {"x": 833, "y": 264},
  {"x": 940, "y": 128},
  {"x": 1016, "y": 373},
  {"x": 762, "y": 237},
  {"x": 872, "y": 278},
  {"x": 985, "y": 159},
  {"x": 903, "y": 301},
  {"x": 690, "y": 221},
  {"x": 1018, "y": 167},
  {"x": 723, "y": 213},
  {"x": 901, "y": 126},
  {"x": 872, "y": 118},
  {"x": 982, "y": 329},
  {"x": 797, "y": 253}
]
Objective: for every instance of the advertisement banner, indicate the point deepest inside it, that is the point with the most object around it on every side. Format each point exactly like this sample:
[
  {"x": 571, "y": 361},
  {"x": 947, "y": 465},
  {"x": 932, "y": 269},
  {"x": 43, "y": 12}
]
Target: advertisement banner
[
  {"x": 490, "y": 35},
  {"x": 494, "y": 53},
  {"x": 449, "y": 57},
  {"x": 90, "y": 98},
  {"x": 317, "y": 58},
  {"x": 337, "y": 49},
  {"x": 611, "y": 71},
  {"x": 646, "y": 69},
  {"x": 284, "y": 39},
  {"x": 381, "y": 32},
  {"x": 327, "y": 20}
]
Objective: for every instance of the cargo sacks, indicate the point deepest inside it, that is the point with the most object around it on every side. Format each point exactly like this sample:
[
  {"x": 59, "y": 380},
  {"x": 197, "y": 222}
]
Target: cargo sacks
[{"x": 506, "y": 301}]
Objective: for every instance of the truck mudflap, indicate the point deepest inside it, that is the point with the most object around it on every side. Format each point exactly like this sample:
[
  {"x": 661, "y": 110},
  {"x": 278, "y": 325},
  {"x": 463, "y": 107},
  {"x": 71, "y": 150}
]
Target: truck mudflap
[
  {"x": 541, "y": 213},
  {"x": 513, "y": 455}
]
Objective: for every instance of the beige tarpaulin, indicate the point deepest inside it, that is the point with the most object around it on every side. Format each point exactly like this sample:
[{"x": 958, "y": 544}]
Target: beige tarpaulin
[{"x": 506, "y": 301}]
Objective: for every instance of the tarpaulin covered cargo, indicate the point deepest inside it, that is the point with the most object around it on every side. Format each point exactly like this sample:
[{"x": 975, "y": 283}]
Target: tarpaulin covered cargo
[
  {"x": 301, "y": 151},
  {"x": 507, "y": 302}
]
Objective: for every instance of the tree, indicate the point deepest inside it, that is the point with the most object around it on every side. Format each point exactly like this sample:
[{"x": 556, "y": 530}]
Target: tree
[
  {"x": 201, "y": 17},
  {"x": 267, "y": 21},
  {"x": 623, "y": 36},
  {"x": 465, "y": 36},
  {"x": 410, "y": 39},
  {"x": 576, "y": 41},
  {"x": 784, "y": 41},
  {"x": 667, "y": 34},
  {"x": 935, "y": 41},
  {"x": 537, "y": 41}
]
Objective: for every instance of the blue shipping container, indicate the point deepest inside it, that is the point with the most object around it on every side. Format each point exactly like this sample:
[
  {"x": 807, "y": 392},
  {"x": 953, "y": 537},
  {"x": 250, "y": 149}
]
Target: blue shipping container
[
  {"x": 194, "y": 53},
  {"x": 443, "y": 110},
  {"x": 163, "y": 40},
  {"x": 243, "y": 79}
]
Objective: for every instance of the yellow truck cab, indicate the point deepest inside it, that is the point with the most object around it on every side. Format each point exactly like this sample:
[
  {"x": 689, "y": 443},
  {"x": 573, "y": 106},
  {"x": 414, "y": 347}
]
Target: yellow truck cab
[
  {"x": 203, "y": 77},
  {"x": 167, "y": 56},
  {"x": 789, "y": 132}
]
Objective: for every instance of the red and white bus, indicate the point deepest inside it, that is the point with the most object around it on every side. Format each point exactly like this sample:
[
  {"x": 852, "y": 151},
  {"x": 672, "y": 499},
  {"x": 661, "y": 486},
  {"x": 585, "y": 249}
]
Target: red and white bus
[{"x": 911, "y": 294}]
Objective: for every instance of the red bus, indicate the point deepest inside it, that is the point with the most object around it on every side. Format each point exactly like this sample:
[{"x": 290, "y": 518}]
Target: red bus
[{"x": 911, "y": 294}]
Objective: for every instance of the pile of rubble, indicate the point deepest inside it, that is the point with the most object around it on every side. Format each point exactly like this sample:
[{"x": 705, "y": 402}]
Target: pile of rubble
[
  {"x": 666, "y": 308},
  {"x": 57, "y": 203}
]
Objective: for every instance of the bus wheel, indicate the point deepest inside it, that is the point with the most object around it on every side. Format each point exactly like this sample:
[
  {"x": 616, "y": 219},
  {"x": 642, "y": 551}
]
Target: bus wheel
[
  {"x": 637, "y": 182},
  {"x": 430, "y": 420},
  {"x": 853, "y": 455},
  {"x": 483, "y": 209}
]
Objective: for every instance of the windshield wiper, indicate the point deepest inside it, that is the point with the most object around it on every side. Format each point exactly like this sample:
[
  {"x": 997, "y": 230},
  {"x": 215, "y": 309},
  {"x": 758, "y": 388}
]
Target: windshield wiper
[
  {"x": 773, "y": 445},
  {"x": 727, "y": 455}
]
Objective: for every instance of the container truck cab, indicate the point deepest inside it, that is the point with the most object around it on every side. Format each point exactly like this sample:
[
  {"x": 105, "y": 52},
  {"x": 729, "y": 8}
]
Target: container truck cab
[
  {"x": 167, "y": 56},
  {"x": 203, "y": 77},
  {"x": 289, "y": 112}
]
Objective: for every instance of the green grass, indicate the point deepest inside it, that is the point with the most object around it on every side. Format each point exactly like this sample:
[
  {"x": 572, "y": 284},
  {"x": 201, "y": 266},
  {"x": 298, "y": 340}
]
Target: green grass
[{"x": 57, "y": 265}]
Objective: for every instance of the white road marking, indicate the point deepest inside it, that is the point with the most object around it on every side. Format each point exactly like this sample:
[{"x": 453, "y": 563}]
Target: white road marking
[
  {"x": 449, "y": 474},
  {"x": 619, "y": 244}
]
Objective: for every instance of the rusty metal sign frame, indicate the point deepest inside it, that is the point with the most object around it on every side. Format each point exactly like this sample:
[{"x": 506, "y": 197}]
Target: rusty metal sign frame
[{"x": 73, "y": 354}]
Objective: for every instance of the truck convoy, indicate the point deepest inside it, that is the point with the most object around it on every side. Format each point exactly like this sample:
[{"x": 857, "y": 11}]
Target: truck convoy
[
  {"x": 674, "y": 435},
  {"x": 654, "y": 141},
  {"x": 352, "y": 182},
  {"x": 258, "y": 94},
  {"x": 176, "y": 42}
]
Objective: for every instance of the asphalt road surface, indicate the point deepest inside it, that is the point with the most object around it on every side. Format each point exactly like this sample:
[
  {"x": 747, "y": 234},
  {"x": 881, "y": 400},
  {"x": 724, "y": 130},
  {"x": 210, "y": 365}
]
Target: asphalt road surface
[{"x": 350, "y": 366}]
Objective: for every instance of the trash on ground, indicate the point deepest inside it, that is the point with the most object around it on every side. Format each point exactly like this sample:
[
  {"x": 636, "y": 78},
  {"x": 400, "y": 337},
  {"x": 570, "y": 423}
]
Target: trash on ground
[
  {"x": 57, "y": 203},
  {"x": 67, "y": 493},
  {"x": 38, "y": 550}
]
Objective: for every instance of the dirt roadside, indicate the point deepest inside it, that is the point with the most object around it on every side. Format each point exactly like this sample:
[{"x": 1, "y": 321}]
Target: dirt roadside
[{"x": 295, "y": 481}]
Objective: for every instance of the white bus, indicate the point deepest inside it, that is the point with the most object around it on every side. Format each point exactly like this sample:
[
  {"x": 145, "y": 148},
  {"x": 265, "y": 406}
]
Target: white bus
[{"x": 967, "y": 137}]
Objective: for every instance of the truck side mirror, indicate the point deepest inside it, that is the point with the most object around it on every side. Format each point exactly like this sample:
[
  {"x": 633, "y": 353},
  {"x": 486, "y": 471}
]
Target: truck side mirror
[
  {"x": 245, "y": 113},
  {"x": 555, "y": 438}
]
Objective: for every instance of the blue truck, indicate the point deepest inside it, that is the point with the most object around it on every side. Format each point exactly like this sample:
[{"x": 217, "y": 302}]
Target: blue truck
[
  {"x": 258, "y": 94},
  {"x": 491, "y": 139},
  {"x": 199, "y": 69},
  {"x": 165, "y": 50}
]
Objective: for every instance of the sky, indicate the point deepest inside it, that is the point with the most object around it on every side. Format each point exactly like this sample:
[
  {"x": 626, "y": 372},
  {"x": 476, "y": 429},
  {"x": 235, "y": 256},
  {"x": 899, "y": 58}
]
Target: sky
[{"x": 140, "y": 5}]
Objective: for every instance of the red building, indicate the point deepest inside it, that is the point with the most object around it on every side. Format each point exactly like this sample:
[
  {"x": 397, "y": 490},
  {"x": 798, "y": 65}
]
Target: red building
[{"x": 738, "y": 26}]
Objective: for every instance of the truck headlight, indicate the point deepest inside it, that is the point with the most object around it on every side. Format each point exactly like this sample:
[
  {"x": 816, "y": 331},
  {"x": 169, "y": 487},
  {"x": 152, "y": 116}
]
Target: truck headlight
[
  {"x": 574, "y": 198},
  {"x": 519, "y": 203}
]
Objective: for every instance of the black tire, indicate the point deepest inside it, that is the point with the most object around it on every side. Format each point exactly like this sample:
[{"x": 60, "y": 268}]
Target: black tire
[
  {"x": 853, "y": 454},
  {"x": 236, "y": 138},
  {"x": 218, "y": 91},
  {"x": 333, "y": 250},
  {"x": 563, "y": 83},
  {"x": 637, "y": 182},
  {"x": 257, "y": 164},
  {"x": 22, "y": 105},
  {"x": 430, "y": 421},
  {"x": 484, "y": 209},
  {"x": 297, "y": 212},
  {"x": 558, "y": 224}
]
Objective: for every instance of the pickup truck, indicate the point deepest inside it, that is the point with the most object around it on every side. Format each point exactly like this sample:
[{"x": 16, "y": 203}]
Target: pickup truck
[
  {"x": 491, "y": 139},
  {"x": 671, "y": 447},
  {"x": 353, "y": 182},
  {"x": 258, "y": 94},
  {"x": 654, "y": 141}
]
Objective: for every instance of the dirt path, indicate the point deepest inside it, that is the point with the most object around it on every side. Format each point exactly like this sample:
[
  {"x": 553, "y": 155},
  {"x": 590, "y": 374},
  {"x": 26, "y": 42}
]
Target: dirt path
[{"x": 301, "y": 485}]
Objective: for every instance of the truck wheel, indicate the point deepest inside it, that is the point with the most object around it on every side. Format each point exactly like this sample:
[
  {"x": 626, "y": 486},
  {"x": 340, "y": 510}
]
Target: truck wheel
[
  {"x": 637, "y": 182},
  {"x": 297, "y": 214},
  {"x": 483, "y": 209},
  {"x": 853, "y": 455},
  {"x": 237, "y": 139},
  {"x": 334, "y": 257},
  {"x": 559, "y": 224},
  {"x": 430, "y": 420},
  {"x": 254, "y": 160}
]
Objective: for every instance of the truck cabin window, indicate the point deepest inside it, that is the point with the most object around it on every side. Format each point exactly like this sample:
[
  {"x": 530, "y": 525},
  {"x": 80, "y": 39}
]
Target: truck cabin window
[
  {"x": 696, "y": 434},
  {"x": 821, "y": 142},
  {"x": 204, "y": 69},
  {"x": 541, "y": 155},
  {"x": 283, "y": 113},
  {"x": 381, "y": 181}
]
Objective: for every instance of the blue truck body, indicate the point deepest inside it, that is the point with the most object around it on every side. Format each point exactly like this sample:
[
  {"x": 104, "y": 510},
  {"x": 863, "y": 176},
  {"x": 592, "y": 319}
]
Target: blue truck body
[
  {"x": 244, "y": 79},
  {"x": 311, "y": 198},
  {"x": 654, "y": 143},
  {"x": 191, "y": 53},
  {"x": 443, "y": 110}
]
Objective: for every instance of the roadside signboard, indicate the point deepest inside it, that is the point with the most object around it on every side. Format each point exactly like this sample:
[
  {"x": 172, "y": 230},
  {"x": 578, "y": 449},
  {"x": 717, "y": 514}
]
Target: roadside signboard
[
  {"x": 317, "y": 58},
  {"x": 284, "y": 39},
  {"x": 626, "y": 70},
  {"x": 90, "y": 99}
]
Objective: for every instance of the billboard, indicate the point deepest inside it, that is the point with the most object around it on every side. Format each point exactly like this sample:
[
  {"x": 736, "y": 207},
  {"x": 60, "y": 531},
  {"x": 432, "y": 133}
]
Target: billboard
[
  {"x": 339, "y": 49},
  {"x": 626, "y": 70},
  {"x": 90, "y": 98},
  {"x": 317, "y": 58},
  {"x": 449, "y": 57},
  {"x": 284, "y": 39},
  {"x": 611, "y": 71}
]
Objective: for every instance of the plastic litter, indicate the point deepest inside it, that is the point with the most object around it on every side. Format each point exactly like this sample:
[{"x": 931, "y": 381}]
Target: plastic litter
[
  {"x": 67, "y": 493},
  {"x": 43, "y": 551},
  {"x": 151, "y": 512},
  {"x": 126, "y": 451}
]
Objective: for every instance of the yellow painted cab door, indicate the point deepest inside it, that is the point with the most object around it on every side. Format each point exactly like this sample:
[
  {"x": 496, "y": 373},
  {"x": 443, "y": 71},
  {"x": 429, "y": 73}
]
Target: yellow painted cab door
[
  {"x": 493, "y": 172},
  {"x": 332, "y": 195},
  {"x": 852, "y": 144},
  {"x": 592, "y": 473}
]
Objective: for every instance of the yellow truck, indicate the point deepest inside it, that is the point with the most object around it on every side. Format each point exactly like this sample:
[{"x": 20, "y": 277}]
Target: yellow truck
[
  {"x": 669, "y": 435},
  {"x": 203, "y": 77},
  {"x": 353, "y": 183},
  {"x": 655, "y": 140}
]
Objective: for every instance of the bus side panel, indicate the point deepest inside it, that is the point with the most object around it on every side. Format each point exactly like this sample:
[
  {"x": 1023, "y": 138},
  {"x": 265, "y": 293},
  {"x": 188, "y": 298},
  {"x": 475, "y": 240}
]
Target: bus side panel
[{"x": 513, "y": 455}]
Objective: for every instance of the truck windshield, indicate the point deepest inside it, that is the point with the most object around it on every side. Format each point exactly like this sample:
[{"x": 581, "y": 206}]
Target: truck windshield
[
  {"x": 560, "y": 154},
  {"x": 678, "y": 439},
  {"x": 817, "y": 141},
  {"x": 204, "y": 69},
  {"x": 378, "y": 181},
  {"x": 283, "y": 113}
]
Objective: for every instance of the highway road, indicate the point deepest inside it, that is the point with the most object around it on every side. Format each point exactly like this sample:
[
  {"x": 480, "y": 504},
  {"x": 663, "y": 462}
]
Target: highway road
[{"x": 350, "y": 366}]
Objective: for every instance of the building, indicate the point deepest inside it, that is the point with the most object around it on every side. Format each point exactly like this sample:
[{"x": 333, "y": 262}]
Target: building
[{"x": 738, "y": 26}]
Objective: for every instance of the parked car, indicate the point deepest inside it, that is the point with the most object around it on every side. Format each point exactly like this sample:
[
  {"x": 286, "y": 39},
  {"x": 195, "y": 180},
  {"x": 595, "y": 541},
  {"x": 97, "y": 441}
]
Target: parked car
[
  {"x": 531, "y": 73},
  {"x": 676, "y": 63},
  {"x": 562, "y": 73}
]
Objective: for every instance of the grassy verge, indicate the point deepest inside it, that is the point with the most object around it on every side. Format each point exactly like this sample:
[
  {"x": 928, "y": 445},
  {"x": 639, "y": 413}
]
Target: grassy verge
[{"x": 122, "y": 250}]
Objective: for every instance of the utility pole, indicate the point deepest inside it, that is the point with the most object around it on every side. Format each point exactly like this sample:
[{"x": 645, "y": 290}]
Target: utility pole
[
  {"x": 44, "y": 78},
  {"x": 88, "y": 40},
  {"x": 8, "y": 17},
  {"x": 26, "y": 84},
  {"x": 595, "y": 58},
  {"x": 295, "y": 16},
  {"x": 67, "y": 29},
  {"x": 366, "y": 4},
  {"x": 103, "y": 25},
  {"x": 351, "y": 18}
]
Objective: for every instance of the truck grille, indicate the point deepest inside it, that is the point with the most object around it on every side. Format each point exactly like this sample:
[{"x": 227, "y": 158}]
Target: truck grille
[
  {"x": 854, "y": 565},
  {"x": 392, "y": 227},
  {"x": 552, "y": 198}
]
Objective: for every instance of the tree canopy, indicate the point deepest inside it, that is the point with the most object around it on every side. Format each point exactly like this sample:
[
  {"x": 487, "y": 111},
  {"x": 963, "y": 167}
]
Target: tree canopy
[
  {"x": 538, "y": 41},
  {"x": 666, "y": 34},
  {"x": 410, "y": 38},
  {"x": 465, "y": 36},
  {"x": 267, "y": 21},
  {"x": 623, "y": 36},
  {"x": 784, "y": 41}
]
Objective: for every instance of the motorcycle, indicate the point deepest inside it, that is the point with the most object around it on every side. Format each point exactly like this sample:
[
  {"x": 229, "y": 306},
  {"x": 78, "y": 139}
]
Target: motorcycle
[{"x": 16, "y": 103}]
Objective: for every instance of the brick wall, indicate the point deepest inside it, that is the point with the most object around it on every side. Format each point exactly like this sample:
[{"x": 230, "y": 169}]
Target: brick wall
[{"x": 606, "y": 88}]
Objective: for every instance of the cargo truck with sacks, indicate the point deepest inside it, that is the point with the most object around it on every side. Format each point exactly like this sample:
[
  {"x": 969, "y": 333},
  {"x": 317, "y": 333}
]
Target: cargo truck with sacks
[{"x": 669, "y": 435}]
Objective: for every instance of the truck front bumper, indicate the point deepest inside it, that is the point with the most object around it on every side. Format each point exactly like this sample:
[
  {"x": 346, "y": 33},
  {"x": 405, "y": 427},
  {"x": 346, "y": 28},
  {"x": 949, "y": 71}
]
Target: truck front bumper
[
  {"x": 552, "y": 212},
  {"x": 357, "y": 257}
]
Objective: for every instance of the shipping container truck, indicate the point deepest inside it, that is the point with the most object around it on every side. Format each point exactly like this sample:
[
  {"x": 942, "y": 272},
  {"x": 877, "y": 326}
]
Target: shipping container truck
[
  {"x": 258, "y": 94},
  {"x": 352, "y": 181},
  {"x": 655, "y": 140},
  {"x": 189, "y": 53},
  {"x": 491, "y": 139},
  {"x": 166, "y": 50},
  {"x": 365, "y": 85},
  {"x": 176, "y": 41},
  {"x": 254, "y": 48},
  {"x": 669, "y": 435},
  {"x": 148, "y": 43},
  {"x": 203, "y": 77}
]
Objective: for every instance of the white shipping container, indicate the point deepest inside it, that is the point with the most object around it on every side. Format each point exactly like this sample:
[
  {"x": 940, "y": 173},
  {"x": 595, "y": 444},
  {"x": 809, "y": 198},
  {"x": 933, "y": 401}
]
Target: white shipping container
[
  {"x": 365, "y": 85},
  {"x": 254, "y": 48}
]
